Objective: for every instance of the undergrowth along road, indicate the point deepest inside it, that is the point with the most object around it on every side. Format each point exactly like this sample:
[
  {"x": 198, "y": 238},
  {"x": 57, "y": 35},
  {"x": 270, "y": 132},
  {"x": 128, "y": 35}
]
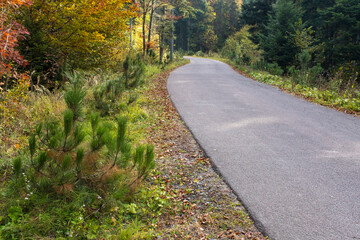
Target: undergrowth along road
[{"x": 201, "y": 205}]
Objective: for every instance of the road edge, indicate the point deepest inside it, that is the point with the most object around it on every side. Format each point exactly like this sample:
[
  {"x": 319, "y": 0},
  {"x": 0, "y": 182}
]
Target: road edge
[{"x": 259, "y": 226}]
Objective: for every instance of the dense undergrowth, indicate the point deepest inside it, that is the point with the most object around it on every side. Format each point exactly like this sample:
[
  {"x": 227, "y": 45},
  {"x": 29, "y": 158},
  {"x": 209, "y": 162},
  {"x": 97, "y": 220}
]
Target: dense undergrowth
[{"x": 74, "y": 163}]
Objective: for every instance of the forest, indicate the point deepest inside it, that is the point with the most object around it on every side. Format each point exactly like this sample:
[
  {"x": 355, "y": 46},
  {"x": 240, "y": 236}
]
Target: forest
[
  {"x": 321, "y": 36},
  {"x": 76, "y": 159},
  {"x": 309, "y": 48},
  {"x": 42, "y": 39}
]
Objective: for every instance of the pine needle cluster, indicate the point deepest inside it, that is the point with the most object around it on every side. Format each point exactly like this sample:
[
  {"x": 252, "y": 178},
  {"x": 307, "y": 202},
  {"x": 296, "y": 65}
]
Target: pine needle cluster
[{"x": 63, "y": 156}]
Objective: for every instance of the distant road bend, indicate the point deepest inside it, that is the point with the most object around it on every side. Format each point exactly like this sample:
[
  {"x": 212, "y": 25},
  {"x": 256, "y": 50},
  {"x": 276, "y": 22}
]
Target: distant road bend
[{"x": 295, "y": 165}]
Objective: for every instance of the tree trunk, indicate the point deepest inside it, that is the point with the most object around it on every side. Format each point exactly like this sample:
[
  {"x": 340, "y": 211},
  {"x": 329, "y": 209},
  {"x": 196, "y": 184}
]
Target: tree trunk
[
  {"x": 143, "y": 30},
  {"x": 161, "y": 54},
  {"x": 7, "y": 82},
  {"x": 150, "y": 25},
  {"x": 131, "y": 27},
  {"x": 172, "y": 39},
  {"x": 188, "y": 36},
  {"x": 161, "y": 38}
]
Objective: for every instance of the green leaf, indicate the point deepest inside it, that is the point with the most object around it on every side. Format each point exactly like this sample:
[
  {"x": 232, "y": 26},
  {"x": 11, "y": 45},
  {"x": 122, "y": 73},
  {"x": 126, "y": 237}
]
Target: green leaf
[
  {"x": 32, "y": 144},
  {"x": 42, "y": 160},
  {"x": 79, "y": 157},
  {"x": 68, "y": 121},
  {"x": 17, "y": 164},
  {"x": 120, "y": 137},
  {"x": 66, "y": 162}
]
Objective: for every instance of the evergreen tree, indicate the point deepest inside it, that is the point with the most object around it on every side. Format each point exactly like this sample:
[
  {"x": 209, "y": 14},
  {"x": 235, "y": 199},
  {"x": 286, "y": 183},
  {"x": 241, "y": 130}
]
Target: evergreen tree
[
  {"x": 278, "y": 40},
  {"x": 341, "y": 33},
  {"x": 311, "y": 9},
  {"x": 62, "y": 159},
  {"x": 43, "y": 58},
  {"x": 164, "y": 29},
  {"x": 256, "y": 14},
  {"x": 227, "y": 19},
  {"x": 202, "y": 35},
  {"x": 134, "y": 70}
]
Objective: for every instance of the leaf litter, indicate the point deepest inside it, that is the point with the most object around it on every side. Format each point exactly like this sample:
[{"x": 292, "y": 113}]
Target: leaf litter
[{"x": 201, "y": 205}]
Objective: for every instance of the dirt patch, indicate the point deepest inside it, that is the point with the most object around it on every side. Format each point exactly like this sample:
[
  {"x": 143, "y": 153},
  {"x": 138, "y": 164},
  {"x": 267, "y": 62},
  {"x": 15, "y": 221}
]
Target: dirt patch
[{"x": 202, "y": 206}]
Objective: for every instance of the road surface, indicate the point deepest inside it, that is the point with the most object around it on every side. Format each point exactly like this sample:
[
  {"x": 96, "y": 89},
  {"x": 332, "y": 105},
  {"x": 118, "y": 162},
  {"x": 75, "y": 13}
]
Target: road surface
[{"x": 295, "y": 165}]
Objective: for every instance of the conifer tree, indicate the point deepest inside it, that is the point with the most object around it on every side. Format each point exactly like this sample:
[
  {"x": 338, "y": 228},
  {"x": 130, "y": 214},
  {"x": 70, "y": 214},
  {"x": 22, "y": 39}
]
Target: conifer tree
[
  {"x": 61, "y": 159},
  {"x": 341, "y": 33},
  {"x": 278, "y": 40},
  {"x": 134, "y": 70}
]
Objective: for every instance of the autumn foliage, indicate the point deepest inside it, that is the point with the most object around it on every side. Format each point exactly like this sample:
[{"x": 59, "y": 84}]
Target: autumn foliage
[
  {"x": 10, "y": 33},
  {"x": 84, "y": 33}
]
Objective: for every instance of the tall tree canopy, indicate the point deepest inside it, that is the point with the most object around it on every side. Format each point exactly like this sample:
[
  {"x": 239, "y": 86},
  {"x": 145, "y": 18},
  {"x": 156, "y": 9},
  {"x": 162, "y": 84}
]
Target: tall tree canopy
[
  {"x": 81, "y": 30},
  {"x": 327, "y": 32},
  {"x": 208, "y": 25},
  {"x": 256, "y": 14},
  {"x": 278, "y": 40},
  {"x": 227, "y": 20},
  {"x": 340, "y": 31}
]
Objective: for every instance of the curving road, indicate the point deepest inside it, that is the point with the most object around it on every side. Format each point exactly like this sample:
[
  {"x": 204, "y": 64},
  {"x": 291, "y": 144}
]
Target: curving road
[{"x": 295, "y": 165}]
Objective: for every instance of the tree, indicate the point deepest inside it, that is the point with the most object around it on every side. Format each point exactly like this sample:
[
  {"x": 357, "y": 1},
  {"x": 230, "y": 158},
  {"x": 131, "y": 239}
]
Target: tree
[
  {"x": 11, "y": 31},
  {"x": 227, "y": 19},
  {"x": 199, "y": 27},
  {"x": 85, "y": 34},
  {"x": 208, "y": 40},
  {"x": 61, "y": 159},
  {"x": 145, "y": 7},
  {"x": 164, "y": 29},
  {"x": 278, "y": 41},
  {"x": 256, "y": 14},
  {"x": 311, "y": 16},
  {"x": 42, "y": 56},
  {"x": 341, "y": 33},
  {"x": 241, "y": 49}
]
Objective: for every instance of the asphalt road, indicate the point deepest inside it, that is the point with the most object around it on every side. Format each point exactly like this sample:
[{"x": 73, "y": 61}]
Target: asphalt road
[{"x": 295, "y": 165}]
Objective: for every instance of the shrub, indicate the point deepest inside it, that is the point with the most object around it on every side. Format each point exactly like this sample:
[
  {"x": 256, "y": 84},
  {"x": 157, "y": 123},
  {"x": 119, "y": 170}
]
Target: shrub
[
  {"x": 190, "y": 53},
  {"x": 241, "y": 49},
  {"x": 78, "y": 160},
  {"x": 107, "y": 93},
  {"x": 199, "y": 54},
  {"x": 134, "y": 70},
  {"x": 272, "y": 68}
]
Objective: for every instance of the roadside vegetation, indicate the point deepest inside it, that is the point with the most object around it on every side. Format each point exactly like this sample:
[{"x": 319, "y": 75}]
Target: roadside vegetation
[
  {"x": 76, "y": 165},
  {"x": 82, "y": 168}
]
